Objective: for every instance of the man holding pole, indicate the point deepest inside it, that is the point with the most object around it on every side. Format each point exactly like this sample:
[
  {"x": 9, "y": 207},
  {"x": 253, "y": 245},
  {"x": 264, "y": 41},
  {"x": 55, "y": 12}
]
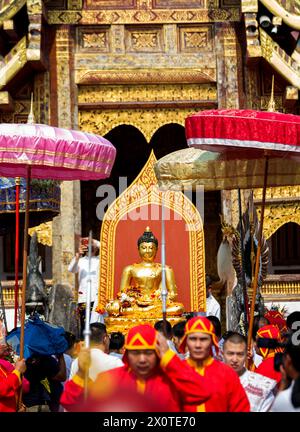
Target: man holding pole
[
  {"x": 86, "y": 265},
  {"x": 10, "y": 382}
]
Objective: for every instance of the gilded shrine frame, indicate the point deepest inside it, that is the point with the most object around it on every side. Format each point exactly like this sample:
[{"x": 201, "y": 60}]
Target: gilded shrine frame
[{"x": 133, "y": 198}]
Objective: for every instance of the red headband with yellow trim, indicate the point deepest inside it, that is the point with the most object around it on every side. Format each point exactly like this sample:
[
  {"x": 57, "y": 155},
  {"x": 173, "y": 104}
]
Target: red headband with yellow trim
[
  {"x": 276, "y": 318},
  {"x": 269, "y": 332},
  {"x": 141, "y": 337},
  {"x": 199, "y": 325}
]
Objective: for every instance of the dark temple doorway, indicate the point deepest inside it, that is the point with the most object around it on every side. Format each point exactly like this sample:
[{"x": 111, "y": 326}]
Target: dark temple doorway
[{"x": 132, "y": 153}]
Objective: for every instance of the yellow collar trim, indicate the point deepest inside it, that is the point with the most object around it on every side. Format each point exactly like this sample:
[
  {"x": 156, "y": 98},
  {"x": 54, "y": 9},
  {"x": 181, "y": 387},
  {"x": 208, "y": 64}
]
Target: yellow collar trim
[
  {"x": 140, "y": 386},
  {"x": 200, "y": 369}
]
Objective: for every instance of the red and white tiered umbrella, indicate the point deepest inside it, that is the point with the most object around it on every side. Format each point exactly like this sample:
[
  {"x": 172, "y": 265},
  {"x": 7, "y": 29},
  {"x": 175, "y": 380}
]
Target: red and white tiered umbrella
[
  {"x": 45, "y": 152},
  {"x": 244, "y": 135}
]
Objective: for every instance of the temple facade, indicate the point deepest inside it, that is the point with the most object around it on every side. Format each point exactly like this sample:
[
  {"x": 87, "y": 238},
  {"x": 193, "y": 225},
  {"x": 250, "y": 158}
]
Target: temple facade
[{"x": 132, "y": 70}]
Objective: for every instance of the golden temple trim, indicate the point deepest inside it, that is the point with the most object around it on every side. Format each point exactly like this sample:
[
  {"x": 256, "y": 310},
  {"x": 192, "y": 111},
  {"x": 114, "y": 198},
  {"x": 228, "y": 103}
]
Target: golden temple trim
[
  {"x": 151, "y": 76},
  {"x": 10, "y": 9},
  {"x": 277, "y": 9},
  {"x": 141, "y": 16},
  {"x": 129, "y": 201}
]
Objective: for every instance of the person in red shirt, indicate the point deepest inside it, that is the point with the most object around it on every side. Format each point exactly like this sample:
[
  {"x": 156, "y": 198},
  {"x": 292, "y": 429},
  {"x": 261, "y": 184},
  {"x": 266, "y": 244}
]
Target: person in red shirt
[
  {"x": 10, "y": 382},
  {"x": 228, "y": 394},
  {"x": 268, "y": 335},
  {"x": 143, "y": 383}
]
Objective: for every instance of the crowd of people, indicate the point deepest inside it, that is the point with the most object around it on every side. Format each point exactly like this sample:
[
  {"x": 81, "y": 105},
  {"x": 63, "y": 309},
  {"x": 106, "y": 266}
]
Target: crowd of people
[{"x": 191, "y": 366}]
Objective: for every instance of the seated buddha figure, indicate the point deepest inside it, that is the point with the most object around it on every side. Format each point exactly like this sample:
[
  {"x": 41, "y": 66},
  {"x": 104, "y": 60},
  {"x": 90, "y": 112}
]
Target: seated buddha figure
[{"x": 141, "y": 284}]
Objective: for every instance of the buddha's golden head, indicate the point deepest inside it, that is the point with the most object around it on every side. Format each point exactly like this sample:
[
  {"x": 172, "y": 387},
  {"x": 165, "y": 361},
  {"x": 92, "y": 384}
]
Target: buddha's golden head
[{"x": 147, "y": 245}]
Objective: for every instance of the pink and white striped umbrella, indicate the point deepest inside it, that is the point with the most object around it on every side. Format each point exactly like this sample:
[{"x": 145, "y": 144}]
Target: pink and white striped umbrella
[
  {"x": 46, "y": 152},
  {"x": 53, "y": 153}
]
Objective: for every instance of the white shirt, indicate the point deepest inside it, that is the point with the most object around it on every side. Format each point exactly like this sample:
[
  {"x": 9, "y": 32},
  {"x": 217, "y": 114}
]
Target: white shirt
[
  {"x": 259, "y": 389},
  {"x": 283, "y": 401},
  {"x": 100, "y": 362},
  {"x": 82, "y": 268},
  {"x": 212, "y": 307},
  {"x": 257, "y": 359}
]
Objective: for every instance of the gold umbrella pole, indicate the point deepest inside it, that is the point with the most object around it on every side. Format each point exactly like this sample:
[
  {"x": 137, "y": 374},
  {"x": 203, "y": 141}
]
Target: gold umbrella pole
[
  {"x": 255, "y": 281},
  {"x": 271, "y": 108},
  {"x": 252, "y": 255}
]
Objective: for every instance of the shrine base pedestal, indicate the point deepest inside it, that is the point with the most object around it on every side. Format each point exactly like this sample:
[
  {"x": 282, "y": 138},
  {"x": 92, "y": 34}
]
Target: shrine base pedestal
[{"x": 124, "y": 324}]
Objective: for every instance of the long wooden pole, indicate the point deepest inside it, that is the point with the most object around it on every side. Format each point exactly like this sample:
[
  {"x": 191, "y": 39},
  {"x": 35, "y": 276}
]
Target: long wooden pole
[
  {"x": 25, "y": 255},
  {"x": 17, "y": 180},
  {"x": 260, "y": 233}
]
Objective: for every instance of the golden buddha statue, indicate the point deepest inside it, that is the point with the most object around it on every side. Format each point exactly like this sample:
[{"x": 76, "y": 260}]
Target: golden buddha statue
[{"x": 140, "y": 288}]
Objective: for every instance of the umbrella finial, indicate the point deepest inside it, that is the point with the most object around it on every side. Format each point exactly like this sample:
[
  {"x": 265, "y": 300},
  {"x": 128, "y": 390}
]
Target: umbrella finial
[
  {"x": 271, "y": 105},
  {"x": 31, "y": 118}
]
